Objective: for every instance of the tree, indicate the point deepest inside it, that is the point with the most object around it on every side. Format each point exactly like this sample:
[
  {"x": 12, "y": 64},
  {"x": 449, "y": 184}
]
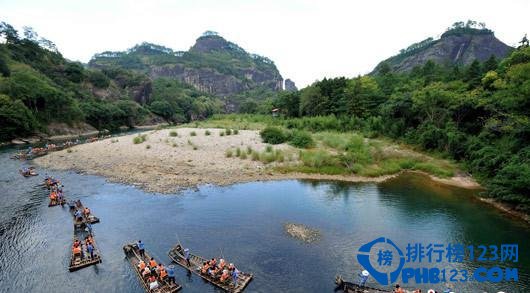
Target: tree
[
  {"x": 384, "y": 69},
  {"x": 524, "y": 42},
  {"x": 74, "y": 72},
  {"x": 98, "y": 79},
  {"x": 473, "y": 74},
  {"x": 288, "y": 103},
  {"x": 15, "y": 118},
  {"x": 4, "y": 69},
  {"x": 30, "y": 34},
  {"x": 248, "y": 106},
  {"x": 162, "y": 108},
  {"x": 312, "y": 102},
  {"x": 363, "y": 96},
  {"x": 491, "y": 64},
  {"x": 9, "y": 33}
]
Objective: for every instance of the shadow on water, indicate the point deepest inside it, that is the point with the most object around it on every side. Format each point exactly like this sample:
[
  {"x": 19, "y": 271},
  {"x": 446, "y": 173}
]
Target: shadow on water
[{"x": 242, "y": 223}]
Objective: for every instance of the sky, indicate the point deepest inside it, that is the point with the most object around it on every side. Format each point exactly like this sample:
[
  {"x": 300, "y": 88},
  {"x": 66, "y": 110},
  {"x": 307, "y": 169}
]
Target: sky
[{"x": 307, "y": 40}]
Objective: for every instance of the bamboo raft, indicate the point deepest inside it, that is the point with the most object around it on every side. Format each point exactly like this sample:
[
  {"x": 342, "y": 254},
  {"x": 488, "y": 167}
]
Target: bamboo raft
[
  {"x": 177, "y": 255},
  {"x": 54, "y": 202},
  {"x": 348, "y": 287},
  {"x": 78, "y": 262},
  {"x": 48, "y": 185},
  {"x": 86, "y": 219},
  {"x": 134, "y": 257},
  {"x": 30, "y": 173}
]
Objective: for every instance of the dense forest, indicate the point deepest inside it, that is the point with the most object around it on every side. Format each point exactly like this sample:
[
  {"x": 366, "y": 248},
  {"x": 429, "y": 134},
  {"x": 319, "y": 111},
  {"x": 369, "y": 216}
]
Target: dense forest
[
  {"x": 476, "y": 114},
  {"x": 38, "y": 87}
]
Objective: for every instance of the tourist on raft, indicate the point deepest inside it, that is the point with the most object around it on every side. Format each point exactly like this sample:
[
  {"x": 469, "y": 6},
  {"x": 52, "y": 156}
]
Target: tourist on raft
[
  {"x": 141, "y": 248},
  {"x": 153, "y": 284},
  {"x": 187, "y": 256},
  {"x": 221, "y": 270},
  {"x": 171, "y": 273},
  {"x": 78, "y": 215}
]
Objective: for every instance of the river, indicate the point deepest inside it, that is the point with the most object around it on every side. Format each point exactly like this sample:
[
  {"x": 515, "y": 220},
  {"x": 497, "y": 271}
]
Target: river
[{"x": 243, "y": 223}]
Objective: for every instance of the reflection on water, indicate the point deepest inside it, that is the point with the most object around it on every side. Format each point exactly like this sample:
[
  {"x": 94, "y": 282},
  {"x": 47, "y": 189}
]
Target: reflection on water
[{"x": 242, "y": 223}]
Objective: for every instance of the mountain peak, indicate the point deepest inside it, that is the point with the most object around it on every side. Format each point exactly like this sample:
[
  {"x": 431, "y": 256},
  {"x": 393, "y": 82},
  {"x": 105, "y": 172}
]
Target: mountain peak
[
  {"x": 462, "y": 43},
  {"x": 211, "y": 41},
  {"x": 212, "y": 65}
]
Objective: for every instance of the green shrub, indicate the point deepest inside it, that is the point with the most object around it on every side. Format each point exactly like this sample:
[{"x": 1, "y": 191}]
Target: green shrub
[
  {"x": 148, "y": 146},
  {"x": 243, "y": 156},
  {"x": 238, "y": 152},
  {"x": 222, "y": 133},
  {"x": 173, "y": 133},
  {"x": 333, "y": 140},
  {"x": 228, "y": 131},
  {"x": 301, "y": 139},
  {"x": 228, "y": 153},
  {"x": 193, "y": 133},
  {"x": 174, "y": 145},
  {"x": 207, "y": 132},
  {"x": 273, "y": 135},
  {"x": 236, "y": 132},
  {"x": 254, "y": 156},
  {"x": 268, "y": 149},
  {"x": 279, "y": 156},
  {"x": 267, "y": 157},
  {"x": 249, "y": 150},
  {"x": 140, "y": 138},
  {"x": 318, "y": 159},
  {"x": 195, "y": 147}
]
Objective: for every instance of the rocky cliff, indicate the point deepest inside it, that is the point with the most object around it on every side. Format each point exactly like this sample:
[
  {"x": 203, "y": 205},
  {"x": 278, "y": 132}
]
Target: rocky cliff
[
  {"x": 290, "y": 85},
  {"x": 212, "y": 65},
  {"x": 460, "y": 45}
]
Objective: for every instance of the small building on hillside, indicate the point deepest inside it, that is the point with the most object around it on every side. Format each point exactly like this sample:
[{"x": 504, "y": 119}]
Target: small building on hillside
[{"x": 275, "y": 112}]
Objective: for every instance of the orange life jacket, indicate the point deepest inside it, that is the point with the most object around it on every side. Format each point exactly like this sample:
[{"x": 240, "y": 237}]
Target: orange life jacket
[
  {"x": 77, "y": 250},
  {"x": 142, "y": 265},
  {"x": 163, "y": 273},
  {"x": 152, "y": 263}
]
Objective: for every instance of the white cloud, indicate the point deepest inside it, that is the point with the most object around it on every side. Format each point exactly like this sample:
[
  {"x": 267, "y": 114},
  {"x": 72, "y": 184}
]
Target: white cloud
[{"x": 308, "y": 40}]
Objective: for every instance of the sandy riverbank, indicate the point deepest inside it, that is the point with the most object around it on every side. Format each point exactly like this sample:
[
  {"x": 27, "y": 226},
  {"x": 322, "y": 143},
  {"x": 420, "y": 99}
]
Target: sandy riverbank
[{"x": 164, "y": 163}]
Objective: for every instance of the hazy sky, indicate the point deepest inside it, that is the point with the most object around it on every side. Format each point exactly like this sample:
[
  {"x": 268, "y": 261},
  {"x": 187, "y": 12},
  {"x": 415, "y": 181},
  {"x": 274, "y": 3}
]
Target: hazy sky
[{"x": 308, "y": 40}]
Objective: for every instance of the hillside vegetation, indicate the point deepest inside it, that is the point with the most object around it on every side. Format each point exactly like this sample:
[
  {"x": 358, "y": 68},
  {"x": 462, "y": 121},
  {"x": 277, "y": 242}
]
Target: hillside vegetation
[
  {"x": 213, "y": 65},
  {"x": 476, "y": 114},
  {"x": 38, "y": 87}
]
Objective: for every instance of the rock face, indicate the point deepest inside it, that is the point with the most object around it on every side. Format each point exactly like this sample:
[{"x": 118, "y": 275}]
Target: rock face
[
  {"x": 290, "y": 86},
  {"x": 452, "y": 48},
  {"x": 212, "y": 65}
]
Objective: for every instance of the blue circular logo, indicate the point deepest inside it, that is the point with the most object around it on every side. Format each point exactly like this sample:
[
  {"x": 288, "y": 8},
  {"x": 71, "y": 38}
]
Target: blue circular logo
[{"x": 384, "y": 258}]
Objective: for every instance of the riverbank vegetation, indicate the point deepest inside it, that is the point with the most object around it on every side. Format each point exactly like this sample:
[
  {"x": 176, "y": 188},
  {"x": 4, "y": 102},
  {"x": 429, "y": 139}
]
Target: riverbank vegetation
[
  {"x": 477, "y": 115},
  {"x": 320, "y": 148}
]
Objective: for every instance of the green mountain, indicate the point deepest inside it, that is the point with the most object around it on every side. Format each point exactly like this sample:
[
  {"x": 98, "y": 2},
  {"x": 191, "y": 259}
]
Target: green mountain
[
  {"x": 42, "y": 93},
  {"x": 212, "y": 65},
  {"x": 461, "y": 44}
]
